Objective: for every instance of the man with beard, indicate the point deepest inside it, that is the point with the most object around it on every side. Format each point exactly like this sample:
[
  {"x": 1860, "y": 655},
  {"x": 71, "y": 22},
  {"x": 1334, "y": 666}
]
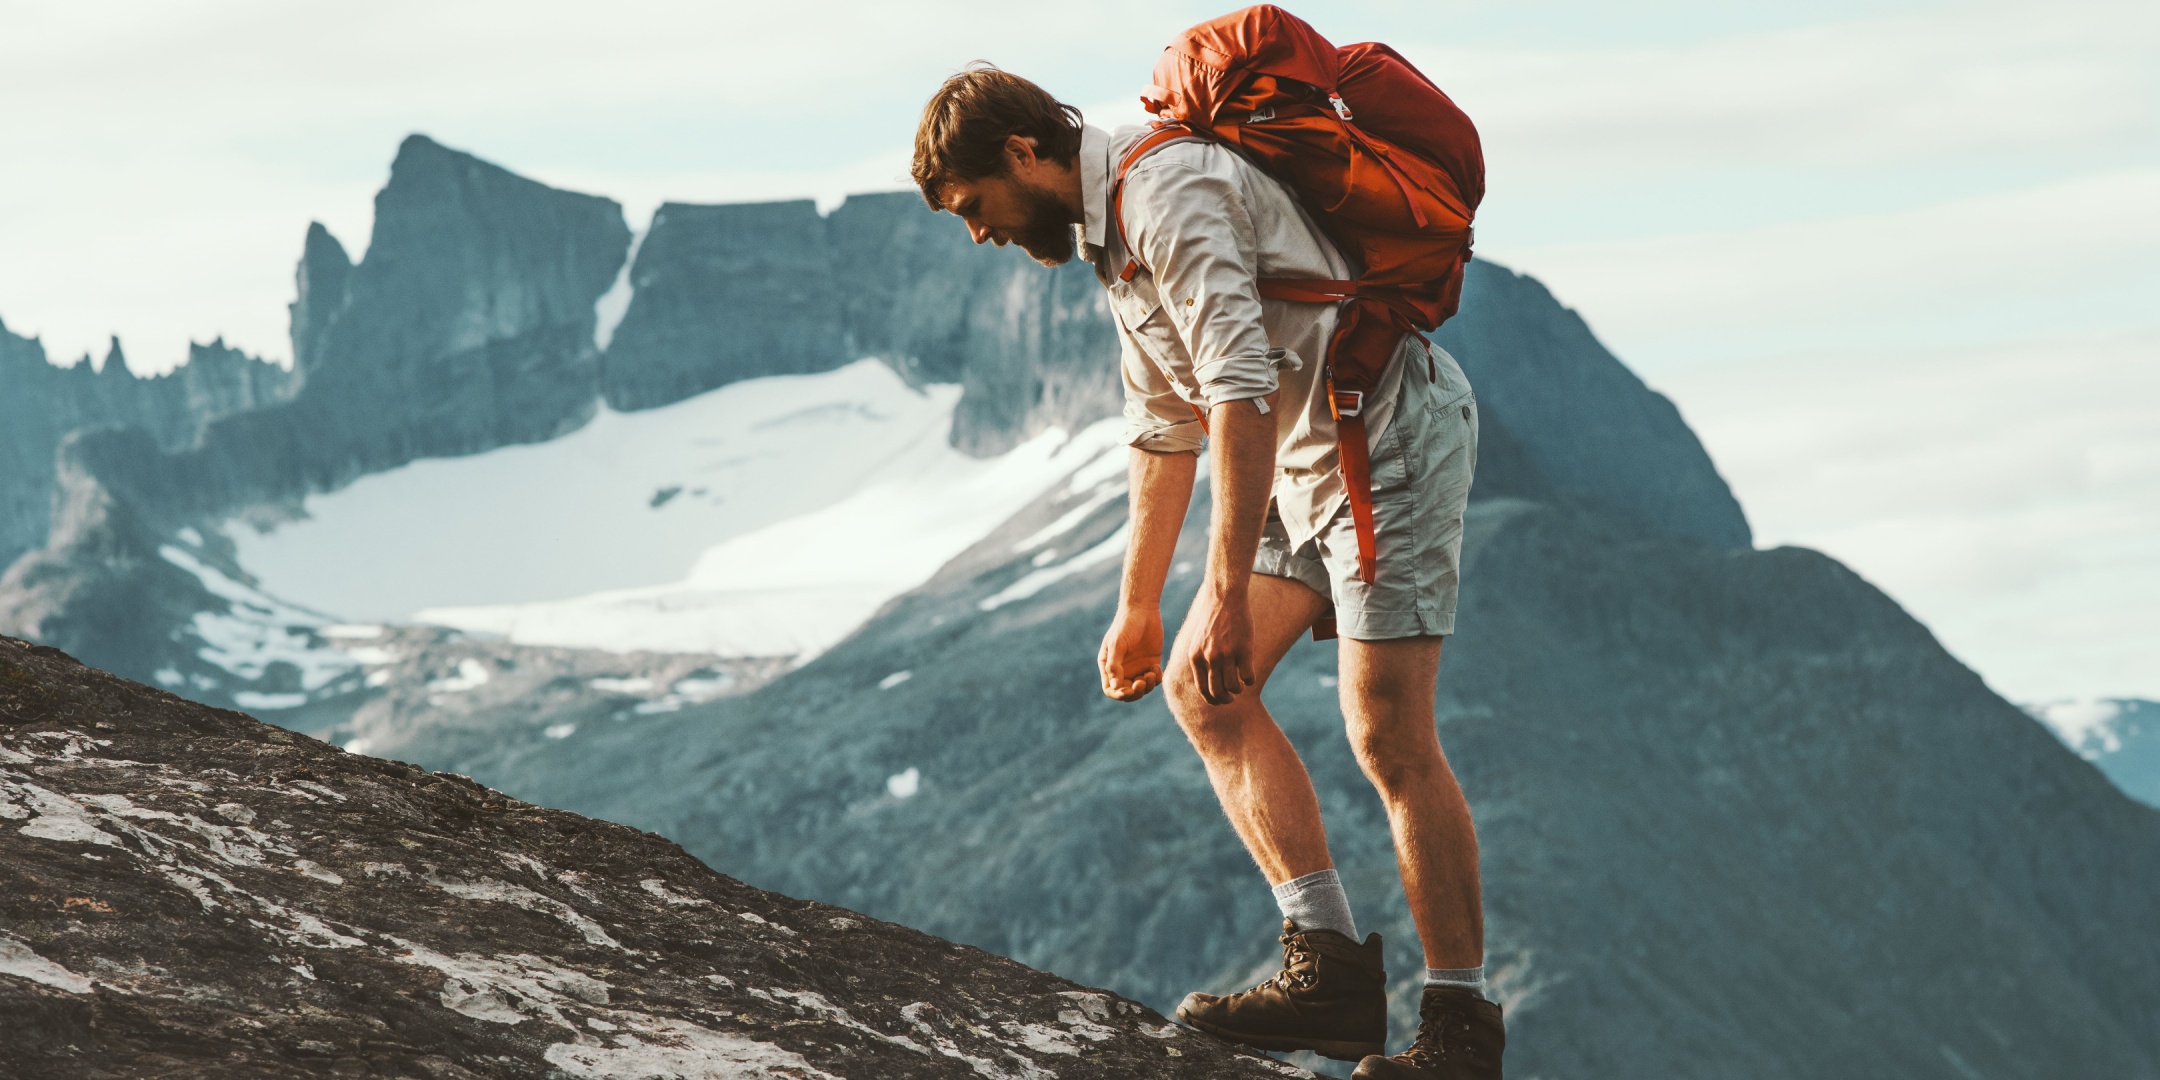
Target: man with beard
[{"x": 1205, "y": 356}]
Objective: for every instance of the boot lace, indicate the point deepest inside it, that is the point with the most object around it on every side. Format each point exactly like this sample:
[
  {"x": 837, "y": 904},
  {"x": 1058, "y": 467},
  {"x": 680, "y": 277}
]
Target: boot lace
[
  {"x": 1297, "y": 970},
  {"x": 1439, "y": 1039}
]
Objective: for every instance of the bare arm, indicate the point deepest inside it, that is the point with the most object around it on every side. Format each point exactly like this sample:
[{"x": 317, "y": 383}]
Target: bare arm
[
  {"x": 1131, "y": 656},
  {"x": 1244, "y": 471}
]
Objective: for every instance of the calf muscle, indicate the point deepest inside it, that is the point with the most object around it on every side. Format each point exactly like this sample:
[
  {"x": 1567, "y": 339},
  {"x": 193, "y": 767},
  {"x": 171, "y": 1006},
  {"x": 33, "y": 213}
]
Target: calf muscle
[{"x": 1387, "y": 703}]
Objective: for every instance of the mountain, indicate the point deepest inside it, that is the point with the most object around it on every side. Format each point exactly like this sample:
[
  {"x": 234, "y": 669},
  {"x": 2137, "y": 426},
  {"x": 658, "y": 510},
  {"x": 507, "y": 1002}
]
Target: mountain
[
  {"x": 189, "y": 891},
  {"x": 40, "y": 405},
  {"x": 1741, "y": 815},
  {"x": 2120, "y": 736}
]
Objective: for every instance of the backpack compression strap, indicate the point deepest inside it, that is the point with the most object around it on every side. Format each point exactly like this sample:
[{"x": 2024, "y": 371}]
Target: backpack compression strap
[{"x": 1347, "y": 406}]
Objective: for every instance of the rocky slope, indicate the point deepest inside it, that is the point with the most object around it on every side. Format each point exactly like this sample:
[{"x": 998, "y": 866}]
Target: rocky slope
[{"x": 190, "y": 892}]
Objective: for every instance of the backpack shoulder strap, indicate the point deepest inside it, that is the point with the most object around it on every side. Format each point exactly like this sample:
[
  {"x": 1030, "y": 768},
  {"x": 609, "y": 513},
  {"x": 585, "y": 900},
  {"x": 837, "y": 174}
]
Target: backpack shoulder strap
[{"x": 1162, "y": 135}]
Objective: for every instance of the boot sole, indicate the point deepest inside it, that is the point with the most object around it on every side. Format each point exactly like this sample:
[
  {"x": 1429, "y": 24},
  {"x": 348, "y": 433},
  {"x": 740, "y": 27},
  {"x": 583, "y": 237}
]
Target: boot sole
[{"x": 1338, "y": 1049}]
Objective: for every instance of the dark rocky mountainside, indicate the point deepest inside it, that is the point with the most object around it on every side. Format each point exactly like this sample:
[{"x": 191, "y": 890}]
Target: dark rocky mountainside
[
  {"x": 1740, "y": 815},
  {"x": 188, "y": 892}
]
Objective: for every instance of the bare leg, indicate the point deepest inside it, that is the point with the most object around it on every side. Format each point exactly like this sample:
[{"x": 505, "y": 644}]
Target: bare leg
[
  {"x": 1257, "y": 774},
  {"x": 1387, "y": 704}
]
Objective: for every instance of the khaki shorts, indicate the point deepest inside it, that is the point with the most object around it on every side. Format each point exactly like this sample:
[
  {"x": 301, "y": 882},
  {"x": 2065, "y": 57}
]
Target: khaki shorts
[{"x": 1421, "y": 471}]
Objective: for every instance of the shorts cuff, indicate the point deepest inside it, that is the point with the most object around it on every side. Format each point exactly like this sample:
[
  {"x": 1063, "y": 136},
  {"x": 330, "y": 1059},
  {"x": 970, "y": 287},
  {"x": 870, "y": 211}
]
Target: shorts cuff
[
  {"x": 1275, "y": 562},
  {"x": 1387, "y": 625}
]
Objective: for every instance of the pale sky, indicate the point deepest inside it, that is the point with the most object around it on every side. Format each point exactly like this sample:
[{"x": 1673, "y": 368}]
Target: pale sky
[{"x": 1898, "y": 262}]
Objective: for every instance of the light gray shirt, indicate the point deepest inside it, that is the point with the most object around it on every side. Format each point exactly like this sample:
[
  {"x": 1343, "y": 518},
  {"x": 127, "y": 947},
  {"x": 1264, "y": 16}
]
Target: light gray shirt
[{"x": 1205, "y": 226}]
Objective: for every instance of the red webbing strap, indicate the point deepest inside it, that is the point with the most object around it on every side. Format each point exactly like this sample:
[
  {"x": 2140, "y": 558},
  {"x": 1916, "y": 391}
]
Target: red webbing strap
[
  {"x": 1154, "y": 140},
  {"x": 1310, "y": 291},
  {"x": 1357, "y": 483}
]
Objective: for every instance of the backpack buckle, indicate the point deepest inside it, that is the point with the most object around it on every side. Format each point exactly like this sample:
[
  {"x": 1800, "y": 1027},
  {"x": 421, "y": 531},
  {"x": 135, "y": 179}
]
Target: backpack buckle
[
  {"x": 1346, "y": 402},
  {"x": 1342, "y": 108},
  {"x": 1264, "y": 114}
]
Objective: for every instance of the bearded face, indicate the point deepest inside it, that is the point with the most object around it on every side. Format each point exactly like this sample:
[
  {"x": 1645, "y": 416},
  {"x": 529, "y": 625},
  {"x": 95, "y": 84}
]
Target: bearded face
[{"x": 1045, "y": 231}]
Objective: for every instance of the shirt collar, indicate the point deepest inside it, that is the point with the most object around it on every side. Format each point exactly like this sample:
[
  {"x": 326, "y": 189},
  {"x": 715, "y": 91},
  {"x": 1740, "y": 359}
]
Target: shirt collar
[{"x": 1095, "y": 186}]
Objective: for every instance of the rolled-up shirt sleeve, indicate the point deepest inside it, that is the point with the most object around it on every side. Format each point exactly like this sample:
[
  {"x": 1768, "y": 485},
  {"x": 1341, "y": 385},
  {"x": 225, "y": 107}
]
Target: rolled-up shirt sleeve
[
  {"x": 1156, "y": 418},
  {"x": 1193, "y": 231}
]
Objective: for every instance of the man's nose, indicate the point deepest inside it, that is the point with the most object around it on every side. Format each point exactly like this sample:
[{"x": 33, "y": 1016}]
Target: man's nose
[{"x": 980, "y": 232}]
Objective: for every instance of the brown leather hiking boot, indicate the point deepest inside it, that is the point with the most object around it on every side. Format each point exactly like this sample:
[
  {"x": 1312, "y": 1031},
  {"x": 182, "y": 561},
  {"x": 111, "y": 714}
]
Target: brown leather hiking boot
[
  {"x": 1459, "y": 1038},
  {"x": 1329, "y": 998}
]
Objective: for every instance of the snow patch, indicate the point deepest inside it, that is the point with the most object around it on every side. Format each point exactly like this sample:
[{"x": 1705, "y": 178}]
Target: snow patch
[
  {"x": 257, "y": 630},
  {"x": 638, "y": 685},
  {"x": 1103, "y": 494},
  {"x": 560, "y": 731},
  {"x": 249, "y": 699},
  {"x": 471, "y": 674},
  {"x": 1112, "y": 547},
  {"x": 904, "y": 785},
  {"x": 797, "y": 585},
  {"x": 608, "y": 311},
  {"x": 894, "y": 679},
  {"x": 2086, "y": 725}
]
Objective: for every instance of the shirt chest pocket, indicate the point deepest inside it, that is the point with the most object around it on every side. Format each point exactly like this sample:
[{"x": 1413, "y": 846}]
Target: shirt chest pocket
[{"x": 1135, "y": 303}]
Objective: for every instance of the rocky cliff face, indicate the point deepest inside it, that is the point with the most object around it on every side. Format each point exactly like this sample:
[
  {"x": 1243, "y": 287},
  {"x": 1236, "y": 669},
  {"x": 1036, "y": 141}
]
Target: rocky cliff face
[
  {"x": 188, "y": 891},
  {"x": 40, "y": 405},
  {"x": 468, "y": 326},
  {"x": 723, "y": 293}
]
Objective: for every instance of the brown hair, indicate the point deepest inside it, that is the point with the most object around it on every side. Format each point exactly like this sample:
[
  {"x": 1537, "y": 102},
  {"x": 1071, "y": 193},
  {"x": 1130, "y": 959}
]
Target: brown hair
[{"x": 964, "y": 127}]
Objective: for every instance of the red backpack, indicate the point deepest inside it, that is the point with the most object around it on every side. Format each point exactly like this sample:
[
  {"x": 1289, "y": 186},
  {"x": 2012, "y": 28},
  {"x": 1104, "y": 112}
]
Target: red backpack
[{"x": 1384, "y": 162}]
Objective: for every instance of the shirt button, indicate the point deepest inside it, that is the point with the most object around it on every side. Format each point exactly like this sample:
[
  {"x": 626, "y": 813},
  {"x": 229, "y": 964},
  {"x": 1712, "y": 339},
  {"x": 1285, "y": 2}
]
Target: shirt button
[{"x": 1188, "y": 301}]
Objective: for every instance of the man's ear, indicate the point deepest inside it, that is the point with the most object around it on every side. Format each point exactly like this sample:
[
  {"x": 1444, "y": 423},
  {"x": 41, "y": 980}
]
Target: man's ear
[{"x": 1020, "y": 151}]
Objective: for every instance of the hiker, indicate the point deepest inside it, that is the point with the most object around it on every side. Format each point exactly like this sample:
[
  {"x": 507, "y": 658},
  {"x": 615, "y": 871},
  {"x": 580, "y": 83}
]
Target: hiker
[{"x": 1202, "y": 252}]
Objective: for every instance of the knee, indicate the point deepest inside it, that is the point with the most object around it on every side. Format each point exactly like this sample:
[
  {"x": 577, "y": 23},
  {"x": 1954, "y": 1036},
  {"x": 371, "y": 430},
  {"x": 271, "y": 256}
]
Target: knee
[
  {"x": 1207, "y": 725},
  {"x": 1398, "y": 762}
]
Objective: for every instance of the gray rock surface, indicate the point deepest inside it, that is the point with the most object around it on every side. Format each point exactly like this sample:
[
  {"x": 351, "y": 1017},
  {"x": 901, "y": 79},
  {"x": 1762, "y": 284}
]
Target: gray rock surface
[
  {"x": 724, "y": 293},
  {"x": 188, "y": 892}
]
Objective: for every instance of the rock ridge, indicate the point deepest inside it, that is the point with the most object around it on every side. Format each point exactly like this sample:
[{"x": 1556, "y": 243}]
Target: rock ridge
[{"x": 188, "y": 891}]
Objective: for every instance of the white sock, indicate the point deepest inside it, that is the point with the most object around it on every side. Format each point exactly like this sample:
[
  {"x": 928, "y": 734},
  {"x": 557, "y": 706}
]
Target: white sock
[
  {"x": 1471, "y": 979},
  {"x": 1317, "y": 902}
]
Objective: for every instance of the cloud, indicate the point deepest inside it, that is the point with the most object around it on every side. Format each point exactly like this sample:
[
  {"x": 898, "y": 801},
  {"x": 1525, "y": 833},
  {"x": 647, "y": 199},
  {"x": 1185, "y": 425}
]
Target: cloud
[
  {"x": 1965, "y": 82},
  {"x": 2078, "y": 253}
]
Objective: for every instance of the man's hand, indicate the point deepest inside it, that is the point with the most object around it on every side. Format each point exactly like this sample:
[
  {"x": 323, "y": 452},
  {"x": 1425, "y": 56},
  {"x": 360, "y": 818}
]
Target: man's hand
[
  {"x": 1131, "y": 656},
  {"x": 1222, "y": 655}
]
